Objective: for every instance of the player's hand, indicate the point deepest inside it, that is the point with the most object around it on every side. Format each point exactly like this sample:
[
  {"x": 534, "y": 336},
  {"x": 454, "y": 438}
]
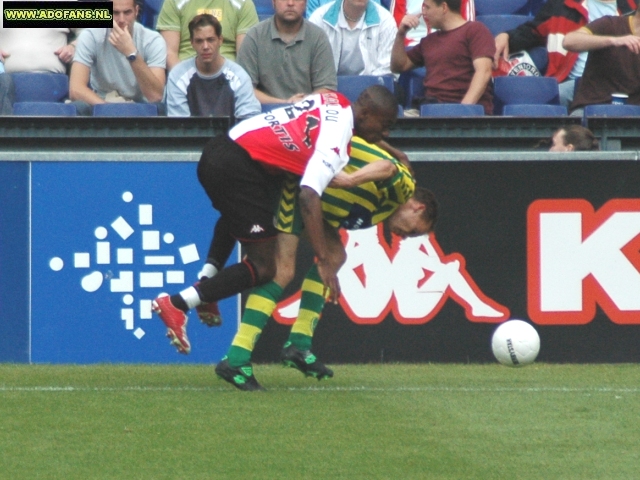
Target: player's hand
[
  {"x": 502, "y": 48},
  {"x": 329, "y": 275},
  {"x": 403, "y": 158},
  {"x": 630, "y": 41},
  {"x": 121, "y": 40},
  {"x": 408, "y": 22},
  {"x": 66, "y": 53},
  {"x": 4, "y": 54}
]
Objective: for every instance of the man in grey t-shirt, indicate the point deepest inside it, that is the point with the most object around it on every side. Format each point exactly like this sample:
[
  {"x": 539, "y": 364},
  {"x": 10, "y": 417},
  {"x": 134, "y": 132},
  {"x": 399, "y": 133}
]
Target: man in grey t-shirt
[
  {"x": 287, "y": 57},
  {"x": 125, "y": 63}
]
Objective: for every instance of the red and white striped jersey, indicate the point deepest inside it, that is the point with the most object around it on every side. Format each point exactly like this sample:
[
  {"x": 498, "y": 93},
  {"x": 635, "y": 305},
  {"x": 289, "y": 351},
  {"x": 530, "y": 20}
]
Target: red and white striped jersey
[{"x": 309, "y": 138}]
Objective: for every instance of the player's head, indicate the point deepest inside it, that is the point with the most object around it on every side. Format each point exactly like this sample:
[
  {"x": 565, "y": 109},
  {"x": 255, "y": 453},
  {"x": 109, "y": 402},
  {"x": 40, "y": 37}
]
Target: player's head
[
  {"x": 416, "y": 217},
  {"x": 375, "y": 112},
  {"x": 573, "y": 138},
  {"x": 205, "y": 32}
]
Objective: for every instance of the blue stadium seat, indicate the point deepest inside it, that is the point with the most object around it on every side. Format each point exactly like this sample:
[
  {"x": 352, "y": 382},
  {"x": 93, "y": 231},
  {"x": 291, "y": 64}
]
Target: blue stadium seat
[
  {"x": 267, "y": 107},
  {"x": 264, "y": 9},
  {"x": 525, "y": 110},
  {"x": 540, "y": 56},
  {"x": 351, "y": 86},
  {"x": 149, "y": 13},
  {"x": 502, "y": 23},
  {"x": 502, "y": 7},
  {"x": 535, "y": 5},
  {"x": 608, "y": 110},
  {"x": 44, "y": 109},
  {"x": 529, "y": 90},
  {"x": 451, "y": 110},
  {"x": 40, "y": 87},
  {"x": 413, "y": 84},
  {"x": 125, "y": 110}
]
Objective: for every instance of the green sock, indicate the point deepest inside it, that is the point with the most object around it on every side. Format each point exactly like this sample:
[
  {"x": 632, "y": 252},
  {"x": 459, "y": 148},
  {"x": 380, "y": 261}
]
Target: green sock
[
  {"x": 260, "y": 305},
  {"x": 311, "y": 304}
]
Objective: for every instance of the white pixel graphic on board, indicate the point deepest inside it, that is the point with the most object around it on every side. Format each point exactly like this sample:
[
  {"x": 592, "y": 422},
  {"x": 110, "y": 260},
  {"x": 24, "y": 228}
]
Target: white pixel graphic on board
[{"x": 125, "y": 281}]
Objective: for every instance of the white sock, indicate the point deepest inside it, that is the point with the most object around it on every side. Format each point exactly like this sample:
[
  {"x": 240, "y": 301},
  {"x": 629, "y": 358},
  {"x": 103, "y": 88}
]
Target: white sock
[
  {"x": 191, "y": 297},
  {"x": 208, "y": 270}
]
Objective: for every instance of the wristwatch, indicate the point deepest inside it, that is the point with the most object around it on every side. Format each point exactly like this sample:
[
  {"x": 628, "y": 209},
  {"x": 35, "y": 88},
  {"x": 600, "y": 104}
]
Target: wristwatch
[{"x": 132, "y": 56}]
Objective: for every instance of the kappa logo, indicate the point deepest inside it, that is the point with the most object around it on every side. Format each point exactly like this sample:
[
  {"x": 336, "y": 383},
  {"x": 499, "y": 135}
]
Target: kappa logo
[
  {"x": 256, "y": 229},
  {"x": 579, "y": 257},
  {"x": 412, "y": 279},
  {"x": 114, "y": 250}
]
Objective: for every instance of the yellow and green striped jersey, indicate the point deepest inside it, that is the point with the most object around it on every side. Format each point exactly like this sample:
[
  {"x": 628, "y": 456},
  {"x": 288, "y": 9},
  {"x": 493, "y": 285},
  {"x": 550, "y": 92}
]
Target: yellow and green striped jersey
[{"x": 357, "y": 207}]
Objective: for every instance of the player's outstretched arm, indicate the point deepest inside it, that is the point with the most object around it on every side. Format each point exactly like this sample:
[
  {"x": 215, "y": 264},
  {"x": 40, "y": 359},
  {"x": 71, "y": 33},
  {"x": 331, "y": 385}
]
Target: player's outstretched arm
[{"x": 373, "y": 172}]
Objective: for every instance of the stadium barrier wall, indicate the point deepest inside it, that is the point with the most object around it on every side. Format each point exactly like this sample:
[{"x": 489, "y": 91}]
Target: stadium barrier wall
[{"x": 90, "y": 234}]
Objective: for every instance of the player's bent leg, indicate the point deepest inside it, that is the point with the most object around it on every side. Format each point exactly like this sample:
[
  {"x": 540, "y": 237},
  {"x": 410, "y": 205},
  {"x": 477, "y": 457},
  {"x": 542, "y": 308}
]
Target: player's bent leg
[
  {"x": 257, "y": 268},
  {"x": 260, "y": 305},
  {"x": 220, "y": 249},
  {"x": 297, "y": 350},
  {"x": 287, "y": 247}
]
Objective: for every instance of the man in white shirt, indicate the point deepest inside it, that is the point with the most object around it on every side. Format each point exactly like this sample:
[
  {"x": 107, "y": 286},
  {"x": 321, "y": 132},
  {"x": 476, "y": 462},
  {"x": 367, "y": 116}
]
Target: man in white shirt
[{"x": 361, "y": 35}]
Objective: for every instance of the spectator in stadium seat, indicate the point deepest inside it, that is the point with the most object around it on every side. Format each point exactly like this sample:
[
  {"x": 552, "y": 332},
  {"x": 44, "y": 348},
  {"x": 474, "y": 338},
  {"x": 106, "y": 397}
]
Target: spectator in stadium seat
[
  {"x": 457, "y": 57},
  {"x": 574, "y": 138},
  {"x": 400, "y": 8},
  {"x": 313, "y": 5},
  {"x": 361, "y": 35},
  {"x": 553, "y": 21},
  {"x": 32, "y": 50},
  {"x": 288, "y": 57},
  {"x": 208, "y": 84},
  {"x": 235, "y": 16},
  {"x": 613, "y": 65},
  {"x": 123, "y": 64}
]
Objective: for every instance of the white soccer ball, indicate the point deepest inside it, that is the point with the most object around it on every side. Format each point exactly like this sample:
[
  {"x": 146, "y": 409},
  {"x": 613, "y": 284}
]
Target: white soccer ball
[{"x": 515, "y": 343}]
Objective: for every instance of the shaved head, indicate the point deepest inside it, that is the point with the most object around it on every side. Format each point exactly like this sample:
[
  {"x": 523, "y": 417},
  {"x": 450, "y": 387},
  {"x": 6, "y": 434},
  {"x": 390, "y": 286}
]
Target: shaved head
[{"x": 378, "y": 99}]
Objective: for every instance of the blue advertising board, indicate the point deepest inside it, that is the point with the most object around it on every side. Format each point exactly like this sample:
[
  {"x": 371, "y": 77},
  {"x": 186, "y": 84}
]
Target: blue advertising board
[
  {"x": 14, "y": 262},
  {"x": 107, "y": 238}
]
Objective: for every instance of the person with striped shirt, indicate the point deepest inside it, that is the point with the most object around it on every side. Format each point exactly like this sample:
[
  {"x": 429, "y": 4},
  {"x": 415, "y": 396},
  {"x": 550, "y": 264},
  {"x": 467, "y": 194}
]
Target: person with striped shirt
[{"x": 375, "y": 188}]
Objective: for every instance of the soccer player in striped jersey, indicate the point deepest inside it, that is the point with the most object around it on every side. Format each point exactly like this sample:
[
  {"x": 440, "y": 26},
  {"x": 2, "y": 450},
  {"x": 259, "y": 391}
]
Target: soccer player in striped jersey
[{"x": 375, "y": 188}]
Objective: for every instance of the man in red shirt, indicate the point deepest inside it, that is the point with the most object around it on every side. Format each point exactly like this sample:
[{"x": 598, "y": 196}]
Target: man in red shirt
[
  {"x": 458, "y": 56},
  {"x": 242, "y": 174}
]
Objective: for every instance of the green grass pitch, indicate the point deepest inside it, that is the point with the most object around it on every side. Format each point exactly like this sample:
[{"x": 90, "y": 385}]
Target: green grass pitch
[{"x": 390, "y": 421}]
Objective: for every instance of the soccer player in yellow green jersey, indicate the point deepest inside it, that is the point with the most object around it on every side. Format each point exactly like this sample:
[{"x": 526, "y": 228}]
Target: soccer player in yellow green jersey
[{"x": 374, "y": 187}]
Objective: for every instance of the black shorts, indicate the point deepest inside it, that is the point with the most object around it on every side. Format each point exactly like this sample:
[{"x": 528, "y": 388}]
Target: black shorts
[{"x": 240, "y": 189}]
